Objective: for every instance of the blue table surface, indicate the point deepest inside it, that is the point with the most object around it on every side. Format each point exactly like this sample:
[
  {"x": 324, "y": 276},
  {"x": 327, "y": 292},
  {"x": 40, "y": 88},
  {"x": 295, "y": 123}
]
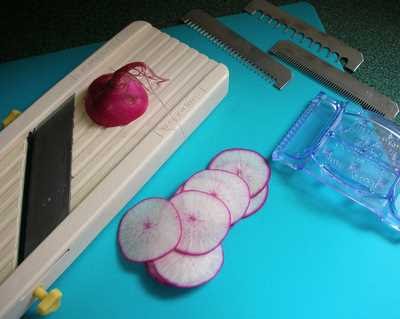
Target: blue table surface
[{"x": 309, "y": 253}]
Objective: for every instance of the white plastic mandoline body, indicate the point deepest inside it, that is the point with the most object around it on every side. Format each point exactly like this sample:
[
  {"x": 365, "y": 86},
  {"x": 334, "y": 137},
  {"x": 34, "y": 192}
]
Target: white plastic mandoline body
[{"x": 109, "y": 165}]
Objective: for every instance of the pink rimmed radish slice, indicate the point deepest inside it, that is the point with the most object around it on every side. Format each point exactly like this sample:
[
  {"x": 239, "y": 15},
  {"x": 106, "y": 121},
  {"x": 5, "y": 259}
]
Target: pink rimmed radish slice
[
  {"x": 228, "y": 187},
  {"x": 179, "y": 190},
  {"x": 151, "y": 269},
  {"x": 257, "y": 202},
  {"x": 149, "y": 230},
  {"x": 205, "y": 221},
  {"x": 187, "y": 271},
  {"x": 247, "y": 164}
]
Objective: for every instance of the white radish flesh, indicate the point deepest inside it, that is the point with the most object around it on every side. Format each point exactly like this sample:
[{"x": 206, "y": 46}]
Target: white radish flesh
[
  {"x": 247, "y": 164},
  {"x": 149, "y": 230},
  {"x": 187, "y": 271},
  {"x": 257, "y": 202},
  {"x": 205, "y": 221},
  {"x": 226, "y": 186}
]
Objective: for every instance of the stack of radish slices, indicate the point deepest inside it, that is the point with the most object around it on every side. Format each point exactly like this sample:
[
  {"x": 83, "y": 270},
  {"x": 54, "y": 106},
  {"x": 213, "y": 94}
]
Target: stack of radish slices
[{"x": 180, "y": 239}]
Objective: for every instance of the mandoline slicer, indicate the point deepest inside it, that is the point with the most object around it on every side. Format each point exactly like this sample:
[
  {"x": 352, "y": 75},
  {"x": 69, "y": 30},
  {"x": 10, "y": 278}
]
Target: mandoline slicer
[{"x": 108, "y": 165}]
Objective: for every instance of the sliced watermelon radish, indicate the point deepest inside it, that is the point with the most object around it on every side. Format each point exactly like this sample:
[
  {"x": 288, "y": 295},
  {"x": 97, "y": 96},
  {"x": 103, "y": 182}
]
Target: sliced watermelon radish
[
  {"x": 226, "y": 186},
  {"x": 247, "y": 164},
  {"x": 205, "y": 221},
  {"x": 257, "y": 202},
  {"x": 187, "y": 271},
  {"x": 149, "y": 230}
]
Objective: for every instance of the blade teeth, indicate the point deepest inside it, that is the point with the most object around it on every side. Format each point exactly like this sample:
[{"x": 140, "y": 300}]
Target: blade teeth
[
  {"x": 279, "y": 22},
  {"x": 251, "y": 65},
  {"x": 203, "y": 32},
  {"x": 326, "y": 81}
]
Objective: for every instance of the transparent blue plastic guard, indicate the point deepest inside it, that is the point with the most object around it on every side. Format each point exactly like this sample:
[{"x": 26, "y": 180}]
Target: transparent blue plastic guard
[{"x": 355, "y": 151}]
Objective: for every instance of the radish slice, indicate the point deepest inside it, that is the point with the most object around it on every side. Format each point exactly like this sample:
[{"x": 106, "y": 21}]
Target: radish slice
[
  {"x": 247, "y": 164},
  {"x": 257, "y": 202},
  {"x": 228, "y": 187},
  {"x": 151, "y": 269},
  {"x": 149, "y": 230},
  {"x": 179, "y": 190},
  {"x": 187, "y": 271},
  {"x": 205, "y": 221}
]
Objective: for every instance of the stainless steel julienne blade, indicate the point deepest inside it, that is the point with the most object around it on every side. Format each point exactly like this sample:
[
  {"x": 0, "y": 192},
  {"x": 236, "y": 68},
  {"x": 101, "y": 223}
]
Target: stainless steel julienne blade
[
  {"x": 232, "y": 41},
  {"x": 353, "y": 57},
  {"x": 340, "y": 81}
]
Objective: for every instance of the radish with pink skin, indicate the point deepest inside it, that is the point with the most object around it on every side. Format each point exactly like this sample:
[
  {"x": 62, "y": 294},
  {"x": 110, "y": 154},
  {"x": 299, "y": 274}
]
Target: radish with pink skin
[
  {"x": 149, "y": 230},
  {"x": 257, "y": 202},
  {"x": 247, "y": 164},
  {"x": 118, "y": 98},
  {"x": 187, "y": 271},
  {"x": 228, "y": 187},
  {"x": 205, "y": 221}
]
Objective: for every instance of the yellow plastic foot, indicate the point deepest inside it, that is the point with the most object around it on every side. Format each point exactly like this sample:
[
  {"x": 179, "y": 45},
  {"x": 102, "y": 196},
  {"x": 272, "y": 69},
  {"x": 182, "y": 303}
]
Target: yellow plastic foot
[
  {"x": 49, "y": 301},
  {"x": 11, "y": 117}
]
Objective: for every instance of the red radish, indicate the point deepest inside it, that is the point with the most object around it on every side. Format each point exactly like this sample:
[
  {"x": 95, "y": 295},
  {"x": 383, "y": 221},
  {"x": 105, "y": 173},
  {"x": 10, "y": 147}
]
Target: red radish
[
  {"x": 149, "y": 230},
  {"x": 187, "y": 271},
  {"x": 247, "y": 164},
  {"x": 118, "y": 98},
  {"x": 205, "y": 221},
  {"x": 228, "y": 187},
  {"x": 257, "y": 202}
]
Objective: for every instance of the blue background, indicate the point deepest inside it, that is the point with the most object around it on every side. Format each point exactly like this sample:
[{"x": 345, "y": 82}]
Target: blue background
[{"x": 309, "y": 253}]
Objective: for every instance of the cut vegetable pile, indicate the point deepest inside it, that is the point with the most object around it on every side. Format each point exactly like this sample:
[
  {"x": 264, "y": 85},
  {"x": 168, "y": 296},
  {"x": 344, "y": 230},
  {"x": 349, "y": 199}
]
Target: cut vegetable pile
[{"x": 180, "y": 239}]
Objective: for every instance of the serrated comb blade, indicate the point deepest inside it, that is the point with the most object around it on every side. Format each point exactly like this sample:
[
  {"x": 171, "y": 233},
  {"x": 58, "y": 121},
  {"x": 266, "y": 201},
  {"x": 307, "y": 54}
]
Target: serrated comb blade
[
  {"x": 353, "y": 58},
  {"x": 340, "y": 81},
  {"x": 232, "y": 41}
]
